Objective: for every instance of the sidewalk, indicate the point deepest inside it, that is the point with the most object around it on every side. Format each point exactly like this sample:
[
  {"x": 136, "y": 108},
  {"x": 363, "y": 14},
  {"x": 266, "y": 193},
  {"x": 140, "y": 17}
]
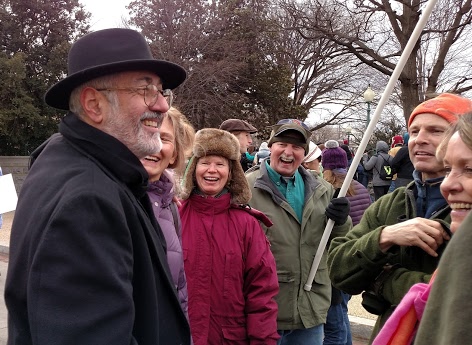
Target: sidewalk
[
  {"x": 5, "y": 232},
  {"x": 361, "y": 321}
]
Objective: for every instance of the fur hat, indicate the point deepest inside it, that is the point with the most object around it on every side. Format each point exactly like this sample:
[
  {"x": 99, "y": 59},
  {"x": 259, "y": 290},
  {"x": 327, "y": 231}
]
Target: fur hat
[
  {"x": 333, "y": 156},
  {"x": 217, "y": 142},
  {"x": 446, "y": 105},
  {"x": 106, "y": 52}
]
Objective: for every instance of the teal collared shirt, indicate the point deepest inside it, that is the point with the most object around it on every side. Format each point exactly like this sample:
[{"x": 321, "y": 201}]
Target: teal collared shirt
[{"x": 292, "y": 188}]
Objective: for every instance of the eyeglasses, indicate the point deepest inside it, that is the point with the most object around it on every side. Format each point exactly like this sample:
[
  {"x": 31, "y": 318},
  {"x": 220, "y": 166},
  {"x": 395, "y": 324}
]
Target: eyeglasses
[
  {"x": 294, "y": 121},
  {"x": 151, "y": 93}
]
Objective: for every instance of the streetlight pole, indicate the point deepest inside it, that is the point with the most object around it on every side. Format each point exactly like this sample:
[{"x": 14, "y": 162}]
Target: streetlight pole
[
  {"x": 348, "y": 133},
  {"x": 369, "y": 95}
]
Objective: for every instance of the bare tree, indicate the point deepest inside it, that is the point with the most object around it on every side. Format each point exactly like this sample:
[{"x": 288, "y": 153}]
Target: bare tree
[
  {"x": 376, "y": 32},
  {"x": 321, "y": 75},
  {"x": 224, "y": 48}
]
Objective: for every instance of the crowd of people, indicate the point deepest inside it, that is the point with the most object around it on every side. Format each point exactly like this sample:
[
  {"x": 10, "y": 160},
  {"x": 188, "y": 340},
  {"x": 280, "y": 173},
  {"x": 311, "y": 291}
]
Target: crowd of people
[{"x": 133, "y": 228}]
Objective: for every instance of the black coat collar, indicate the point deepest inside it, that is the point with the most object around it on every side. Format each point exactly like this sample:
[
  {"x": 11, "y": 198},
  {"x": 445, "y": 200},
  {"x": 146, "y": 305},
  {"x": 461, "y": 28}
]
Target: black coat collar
[{"x": 107, "y": 151}]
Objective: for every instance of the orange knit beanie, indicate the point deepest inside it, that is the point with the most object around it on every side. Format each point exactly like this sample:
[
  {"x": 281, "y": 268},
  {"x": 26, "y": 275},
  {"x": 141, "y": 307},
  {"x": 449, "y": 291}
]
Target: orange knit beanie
[{"x": 446, "y": 105}]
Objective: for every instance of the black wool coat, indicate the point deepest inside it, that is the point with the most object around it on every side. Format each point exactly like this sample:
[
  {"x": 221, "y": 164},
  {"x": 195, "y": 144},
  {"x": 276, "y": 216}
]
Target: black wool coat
[{"x": 87, "y": 259}]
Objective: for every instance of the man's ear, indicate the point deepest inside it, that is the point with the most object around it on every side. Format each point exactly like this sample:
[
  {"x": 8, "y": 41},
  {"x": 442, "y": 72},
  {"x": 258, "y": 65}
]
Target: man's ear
[{"x": 93, "y": 103}]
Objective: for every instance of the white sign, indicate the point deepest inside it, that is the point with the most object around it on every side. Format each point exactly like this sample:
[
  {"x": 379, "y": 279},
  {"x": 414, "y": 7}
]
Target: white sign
[{"x": 8, "y": 196}]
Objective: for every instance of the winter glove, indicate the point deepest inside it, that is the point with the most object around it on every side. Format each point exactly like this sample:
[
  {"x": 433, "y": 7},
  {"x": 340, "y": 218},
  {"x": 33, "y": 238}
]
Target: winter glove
[{"x": 338, "y": 210}]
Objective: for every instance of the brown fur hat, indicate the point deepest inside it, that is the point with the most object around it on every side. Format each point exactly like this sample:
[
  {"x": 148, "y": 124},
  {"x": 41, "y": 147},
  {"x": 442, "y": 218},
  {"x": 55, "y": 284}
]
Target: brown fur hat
[{"x": 217, "y": 142}]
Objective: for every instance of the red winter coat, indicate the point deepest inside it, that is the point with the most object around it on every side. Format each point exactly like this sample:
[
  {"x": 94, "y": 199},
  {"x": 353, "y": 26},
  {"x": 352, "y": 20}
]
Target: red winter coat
[{"x": 231, "y": 274}]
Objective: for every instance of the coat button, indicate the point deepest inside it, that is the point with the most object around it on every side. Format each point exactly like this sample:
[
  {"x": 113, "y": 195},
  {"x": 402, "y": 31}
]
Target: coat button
[{"x": 156, "y": 204}]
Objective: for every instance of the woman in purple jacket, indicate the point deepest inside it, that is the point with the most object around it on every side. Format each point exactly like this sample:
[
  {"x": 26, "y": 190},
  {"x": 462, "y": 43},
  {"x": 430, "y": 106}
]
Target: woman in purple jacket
[
  {"x": 176, "y": 135},
  {"x": 334, "y": 161}
]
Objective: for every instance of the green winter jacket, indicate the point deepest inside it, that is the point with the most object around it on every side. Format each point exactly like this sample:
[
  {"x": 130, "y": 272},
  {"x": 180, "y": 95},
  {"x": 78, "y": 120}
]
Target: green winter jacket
[
  {"x": 294, "y": 246},
  {"x": 356, "y": 259}
]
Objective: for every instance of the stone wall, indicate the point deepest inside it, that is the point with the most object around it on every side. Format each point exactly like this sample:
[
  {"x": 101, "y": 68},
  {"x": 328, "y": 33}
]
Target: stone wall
[{"x": 17, "y": 166}]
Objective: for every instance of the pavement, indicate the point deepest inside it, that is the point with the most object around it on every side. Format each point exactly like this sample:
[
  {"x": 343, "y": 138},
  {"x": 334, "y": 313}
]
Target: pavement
[
  {"x": 3, "y": 308},
  {"x": 362, "y": 322}
]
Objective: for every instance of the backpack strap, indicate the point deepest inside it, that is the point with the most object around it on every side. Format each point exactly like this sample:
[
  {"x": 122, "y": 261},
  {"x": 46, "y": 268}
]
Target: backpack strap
[
  {"x": 175, "y": 216},
  {"x": 385, "y": 160}
]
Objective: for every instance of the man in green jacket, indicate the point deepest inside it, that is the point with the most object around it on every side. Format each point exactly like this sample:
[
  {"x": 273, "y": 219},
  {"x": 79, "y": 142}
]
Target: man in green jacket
[
  {"x": 298, "y": 202},
  {"x": 401, "y": 236}
]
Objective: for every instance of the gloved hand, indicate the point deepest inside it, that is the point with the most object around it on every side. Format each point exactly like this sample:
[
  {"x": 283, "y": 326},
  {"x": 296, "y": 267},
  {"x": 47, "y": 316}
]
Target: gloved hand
[{"x": 338, "y": 210}]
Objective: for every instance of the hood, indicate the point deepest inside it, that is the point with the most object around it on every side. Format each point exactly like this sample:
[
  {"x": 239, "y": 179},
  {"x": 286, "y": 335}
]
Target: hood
[{"x": 381, "y": 146}]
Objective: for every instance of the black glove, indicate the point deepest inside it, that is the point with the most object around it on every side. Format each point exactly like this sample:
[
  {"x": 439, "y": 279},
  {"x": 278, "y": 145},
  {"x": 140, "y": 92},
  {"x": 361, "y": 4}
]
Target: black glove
[{"x": 338, "y": 210}]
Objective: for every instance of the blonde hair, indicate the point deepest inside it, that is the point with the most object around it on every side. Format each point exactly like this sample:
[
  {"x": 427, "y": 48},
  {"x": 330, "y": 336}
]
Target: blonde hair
[
  {"x": 184, "y": 134},
  {"x": 464, "y": 127},
  {"x": 337, "y": 181}
]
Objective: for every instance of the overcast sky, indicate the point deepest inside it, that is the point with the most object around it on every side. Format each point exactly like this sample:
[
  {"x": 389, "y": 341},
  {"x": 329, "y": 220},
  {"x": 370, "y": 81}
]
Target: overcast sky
[{"x": 105, "y": 13}]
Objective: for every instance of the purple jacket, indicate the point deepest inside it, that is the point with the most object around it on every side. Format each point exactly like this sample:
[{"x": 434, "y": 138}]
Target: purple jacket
[
  {"x": 160, "y": 193},
  {"x": 359, "y": 202}
]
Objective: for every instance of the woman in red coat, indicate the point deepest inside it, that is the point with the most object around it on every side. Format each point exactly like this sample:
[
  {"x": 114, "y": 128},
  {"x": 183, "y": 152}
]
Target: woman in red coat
[{"x": 231, "y": 274}]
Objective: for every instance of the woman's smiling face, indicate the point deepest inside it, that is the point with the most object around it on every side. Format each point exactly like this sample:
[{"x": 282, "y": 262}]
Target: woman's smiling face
[
  {"x": 457, "y": 185},
  {"x": 156, "y": 164},
  {"x": 212, "y": 174}
]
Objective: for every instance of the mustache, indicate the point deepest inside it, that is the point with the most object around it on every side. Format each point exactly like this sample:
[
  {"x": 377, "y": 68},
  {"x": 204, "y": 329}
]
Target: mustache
[{"x": 152, "y": 115}]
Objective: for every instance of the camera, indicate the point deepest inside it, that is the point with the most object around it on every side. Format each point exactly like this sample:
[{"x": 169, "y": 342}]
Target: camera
[
  {"x": 372, "y": 299},
  {"x": 374, "y": 304}
]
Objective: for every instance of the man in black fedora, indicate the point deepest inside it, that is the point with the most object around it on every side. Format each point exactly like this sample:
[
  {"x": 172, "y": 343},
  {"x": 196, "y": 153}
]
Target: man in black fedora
[{"x": 87, "y": 259}]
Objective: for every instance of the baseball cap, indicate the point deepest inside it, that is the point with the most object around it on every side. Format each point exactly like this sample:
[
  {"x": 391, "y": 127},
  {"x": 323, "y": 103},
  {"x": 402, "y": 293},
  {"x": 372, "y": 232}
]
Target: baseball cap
[{"x": 291, "y": 131}]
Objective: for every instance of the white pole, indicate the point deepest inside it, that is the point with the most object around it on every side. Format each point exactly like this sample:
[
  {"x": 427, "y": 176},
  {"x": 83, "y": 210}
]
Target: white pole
[{"x": 368, "y": 133}]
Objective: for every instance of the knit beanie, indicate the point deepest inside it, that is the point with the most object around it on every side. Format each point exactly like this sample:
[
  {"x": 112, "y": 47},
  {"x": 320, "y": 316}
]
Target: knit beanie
[
  {"x": 333, "y": 156},
  {"x": 264, "y": 146},
  {"x": 397, "y": 140},
  {"x": 446, "y": 105}
]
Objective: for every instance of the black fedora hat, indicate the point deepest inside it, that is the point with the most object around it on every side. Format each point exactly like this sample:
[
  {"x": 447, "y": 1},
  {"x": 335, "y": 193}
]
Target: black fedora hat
[{"x": 107, "y": 52}]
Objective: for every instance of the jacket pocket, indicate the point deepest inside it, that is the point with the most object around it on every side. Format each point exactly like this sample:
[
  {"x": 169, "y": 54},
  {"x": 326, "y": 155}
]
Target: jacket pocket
[
  {"x": 322, "y": 277},
  {"x": 234, "y": 335},
  {"x": 320, "y": 295},
  {"x": 285, "y": 298}
]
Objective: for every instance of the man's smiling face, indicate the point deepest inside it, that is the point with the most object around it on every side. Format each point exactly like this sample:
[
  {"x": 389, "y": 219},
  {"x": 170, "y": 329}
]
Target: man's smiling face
[
  {"x": 426, "y": 133},
  {"x": 285, "y": 158}
]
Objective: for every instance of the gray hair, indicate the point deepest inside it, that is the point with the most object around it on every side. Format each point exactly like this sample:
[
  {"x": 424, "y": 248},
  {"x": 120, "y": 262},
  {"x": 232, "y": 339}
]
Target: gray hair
[{"x": 99, "y": 83}]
